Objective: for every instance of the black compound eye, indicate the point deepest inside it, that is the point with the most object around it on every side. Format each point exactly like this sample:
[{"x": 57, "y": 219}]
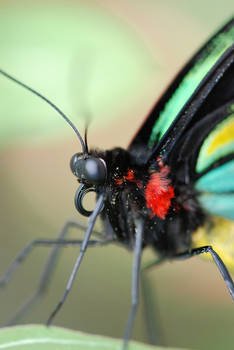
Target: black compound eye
[
  {"x": 88, "y": 170},
  {"x": 95, "y": 170},
  {"x": 77, "y": 165}
]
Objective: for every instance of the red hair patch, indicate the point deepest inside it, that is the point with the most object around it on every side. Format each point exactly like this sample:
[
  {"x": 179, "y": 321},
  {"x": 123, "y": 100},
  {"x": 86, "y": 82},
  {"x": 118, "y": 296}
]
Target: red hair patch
[
  {"x": 159, "y": 193},
  {"x": 129, "y": 177}
]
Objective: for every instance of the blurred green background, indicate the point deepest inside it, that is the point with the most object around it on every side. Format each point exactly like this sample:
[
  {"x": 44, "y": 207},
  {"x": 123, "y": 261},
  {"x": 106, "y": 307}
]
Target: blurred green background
[{"x": 108, "y": 60}]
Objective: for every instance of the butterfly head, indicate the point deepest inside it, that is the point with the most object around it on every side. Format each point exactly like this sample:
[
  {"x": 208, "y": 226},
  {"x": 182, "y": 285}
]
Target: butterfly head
[{"x": 91, "y": 172}]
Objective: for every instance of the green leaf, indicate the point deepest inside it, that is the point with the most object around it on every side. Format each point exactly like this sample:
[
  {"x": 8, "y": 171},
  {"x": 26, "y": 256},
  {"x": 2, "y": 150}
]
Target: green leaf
[{"x": 35, "y": 337}]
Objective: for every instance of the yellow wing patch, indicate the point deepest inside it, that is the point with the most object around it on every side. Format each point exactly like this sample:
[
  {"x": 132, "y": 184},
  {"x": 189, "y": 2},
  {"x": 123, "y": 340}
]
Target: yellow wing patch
[
  {"x": 222, "y": 136},
  {"x": 219, "y": 233},
  {"x": 219, "y": 143}
]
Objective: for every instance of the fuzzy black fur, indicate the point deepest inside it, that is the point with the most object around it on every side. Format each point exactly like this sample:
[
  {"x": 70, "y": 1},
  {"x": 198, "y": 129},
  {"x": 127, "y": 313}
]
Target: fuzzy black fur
[{"x": 125, "y": 203}]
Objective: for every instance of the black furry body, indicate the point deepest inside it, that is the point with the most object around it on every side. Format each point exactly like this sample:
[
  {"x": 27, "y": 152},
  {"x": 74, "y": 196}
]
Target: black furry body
[{"x": 126, "y": 202}]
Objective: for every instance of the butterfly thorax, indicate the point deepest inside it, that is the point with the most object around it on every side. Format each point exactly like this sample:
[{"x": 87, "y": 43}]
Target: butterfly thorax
[{"x": 147, "y": 192}]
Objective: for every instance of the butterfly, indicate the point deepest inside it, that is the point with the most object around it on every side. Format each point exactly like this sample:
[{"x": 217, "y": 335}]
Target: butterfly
[{"x": 173, "y": 188}]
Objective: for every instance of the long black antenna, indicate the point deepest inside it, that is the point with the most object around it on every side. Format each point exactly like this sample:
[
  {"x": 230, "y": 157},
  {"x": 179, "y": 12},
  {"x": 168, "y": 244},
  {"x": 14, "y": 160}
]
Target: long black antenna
[{"x": 84, "y": 148}]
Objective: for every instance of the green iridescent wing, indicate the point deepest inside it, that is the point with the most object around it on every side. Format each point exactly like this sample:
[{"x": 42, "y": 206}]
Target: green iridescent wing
[{"x": 172, "y": 114}]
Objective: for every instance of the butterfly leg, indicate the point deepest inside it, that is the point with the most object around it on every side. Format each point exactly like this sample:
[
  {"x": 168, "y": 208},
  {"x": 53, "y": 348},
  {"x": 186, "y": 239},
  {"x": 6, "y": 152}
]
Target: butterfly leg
[
  {"x": 48, "y": 270},
  {"x": 135, "y": 283},
  {"x": 46, "y": 275},
  {"x": 85, "y": 242},
  {"x": 150, "y": 307},
  {"x": 42, "y": 242},
  {"x": 218, "y": 261}
]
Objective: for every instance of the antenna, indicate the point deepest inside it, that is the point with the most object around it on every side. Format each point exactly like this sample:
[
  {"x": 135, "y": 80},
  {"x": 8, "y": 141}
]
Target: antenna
[{"x": 84, "y": 148}]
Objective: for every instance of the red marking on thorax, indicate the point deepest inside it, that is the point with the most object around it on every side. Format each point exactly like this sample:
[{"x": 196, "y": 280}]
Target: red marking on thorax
[
  {"x": 118, "y": 181},
  {"x": 129, "y": 177},
  {"x": 159, "y": 192}
]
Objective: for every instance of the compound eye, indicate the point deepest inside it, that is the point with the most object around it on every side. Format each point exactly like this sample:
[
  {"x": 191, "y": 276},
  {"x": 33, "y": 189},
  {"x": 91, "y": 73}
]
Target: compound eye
[
  {"x": 95, "y": 171},
  {"x": 77, "y": 165}
]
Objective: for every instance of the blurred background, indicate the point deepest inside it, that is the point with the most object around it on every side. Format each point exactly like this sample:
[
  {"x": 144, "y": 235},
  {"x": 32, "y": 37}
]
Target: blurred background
[{"x": 107, "y": 61}]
